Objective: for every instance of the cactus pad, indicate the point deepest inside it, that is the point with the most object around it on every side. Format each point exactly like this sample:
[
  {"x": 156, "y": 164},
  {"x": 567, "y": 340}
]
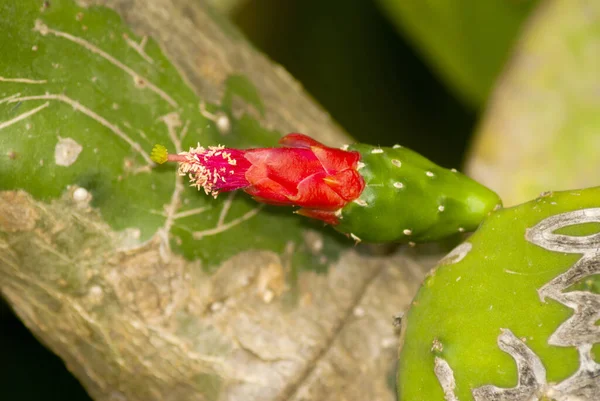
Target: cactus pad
[
  {"x": 409, "y": 198},
  {"x": 512, "y": 313}
]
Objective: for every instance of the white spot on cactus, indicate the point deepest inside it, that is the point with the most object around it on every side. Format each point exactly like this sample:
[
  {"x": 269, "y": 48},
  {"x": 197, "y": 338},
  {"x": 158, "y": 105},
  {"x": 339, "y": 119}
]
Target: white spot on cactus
[
  {"x": 407, "y": 231},
  {"x": 396, "y": 146},
  {"x": 220, "y": 119},
  {"x": 514, "y": 272},
  {"x": 223, "y": 123},
  {"x": 458, "y": 278},
  {"x": 399, "y": 185},
  {"x": 345, "y": 146},
  {"x": 457, "y": 254},
  {"x": 355, "y": 238},
  {"x": 445, "y": 376},
  {"x": 360, "y": 202},
  {"x": 360, "y": 165},
  {"x": 437, "y": 346},
  {"x": 66, "y": 152},
  {"x": 376, "y": 151},
  {"x": 412, "y": 244},
  {"x": 429, "y": 174},
  {"x": 461, "y": 229},
  {"x": 441, "y": 208},
  {"x": 81, "y": 195},
  {"x": 454, "y": 170},
  {"x": 396, "y": 162}
]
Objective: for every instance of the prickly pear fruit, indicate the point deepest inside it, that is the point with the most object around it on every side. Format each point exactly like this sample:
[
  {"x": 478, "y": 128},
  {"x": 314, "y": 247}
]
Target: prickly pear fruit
[
  {"x": 512, "y": 313},
  {"x": 409, "y": 198}
]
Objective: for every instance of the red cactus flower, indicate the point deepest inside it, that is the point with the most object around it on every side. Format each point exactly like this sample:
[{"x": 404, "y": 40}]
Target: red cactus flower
[{"x": 303, "y": 172}]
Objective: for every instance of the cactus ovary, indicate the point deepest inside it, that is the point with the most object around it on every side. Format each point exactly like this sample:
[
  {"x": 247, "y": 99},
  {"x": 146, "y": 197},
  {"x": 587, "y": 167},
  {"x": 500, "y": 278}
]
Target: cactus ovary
[{"x": 409, "y": 198}]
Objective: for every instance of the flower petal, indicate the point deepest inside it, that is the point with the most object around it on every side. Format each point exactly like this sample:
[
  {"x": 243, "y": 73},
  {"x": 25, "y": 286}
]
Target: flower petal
[
  {"x": 295, "y": 140},
  {"x": 328, "y": 216},
  {"x": 314, "y": 193},
  {"x": 286, "y": 166},
  {"x": 268, "y": 191},
  {"x": 336, "y": 160},
  {"x": 348, "y": 184}
]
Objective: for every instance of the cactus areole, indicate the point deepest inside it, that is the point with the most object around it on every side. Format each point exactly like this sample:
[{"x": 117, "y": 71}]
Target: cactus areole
[{"x": 375, "y": 194}]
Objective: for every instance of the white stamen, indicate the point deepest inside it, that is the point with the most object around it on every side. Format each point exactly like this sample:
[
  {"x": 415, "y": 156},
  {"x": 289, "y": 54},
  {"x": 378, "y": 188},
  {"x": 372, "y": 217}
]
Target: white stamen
[
  {"x": 223, "y": 124},
  {"x": 195, "y": 168}
]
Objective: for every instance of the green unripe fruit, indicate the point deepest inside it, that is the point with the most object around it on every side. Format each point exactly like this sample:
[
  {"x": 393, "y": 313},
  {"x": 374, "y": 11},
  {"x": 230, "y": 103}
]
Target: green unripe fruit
[
  {"x": 511, "y": 314},
  {"x": 409, "y": 198}
]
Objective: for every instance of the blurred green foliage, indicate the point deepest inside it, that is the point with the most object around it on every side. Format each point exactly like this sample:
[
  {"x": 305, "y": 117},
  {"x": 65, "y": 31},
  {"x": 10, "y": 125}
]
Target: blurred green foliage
[
  {"x": 546, "y": 107},
  {"x": 467, "y": 42}
]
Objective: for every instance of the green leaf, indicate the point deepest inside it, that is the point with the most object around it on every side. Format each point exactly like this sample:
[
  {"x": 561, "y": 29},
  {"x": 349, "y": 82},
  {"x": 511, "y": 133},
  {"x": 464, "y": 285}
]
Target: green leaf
[
  {"x": 82, "y": 102},
  {"x": 542, "y": 129},
  {"x": 466, "y": 41},
  {"x": 523, "y": 285}
]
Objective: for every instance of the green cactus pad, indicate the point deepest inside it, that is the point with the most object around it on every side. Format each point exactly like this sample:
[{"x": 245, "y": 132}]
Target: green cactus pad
[
  {"x": 512, "y": 313},
  {"x": 409, "y": 198}
]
